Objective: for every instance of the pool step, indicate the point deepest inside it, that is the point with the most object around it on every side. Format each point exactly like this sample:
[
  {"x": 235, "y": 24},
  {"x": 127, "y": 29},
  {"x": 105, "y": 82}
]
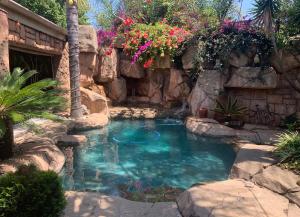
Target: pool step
[{"x": 81, "y": 204}]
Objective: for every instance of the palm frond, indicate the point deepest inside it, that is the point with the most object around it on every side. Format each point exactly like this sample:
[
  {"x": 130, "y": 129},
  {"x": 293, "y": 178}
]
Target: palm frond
[{"x": 20, "y": 102}]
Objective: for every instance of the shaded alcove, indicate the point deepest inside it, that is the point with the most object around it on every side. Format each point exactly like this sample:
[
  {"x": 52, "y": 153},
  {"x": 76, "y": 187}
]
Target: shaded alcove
[{"x": 42, "y": 63}]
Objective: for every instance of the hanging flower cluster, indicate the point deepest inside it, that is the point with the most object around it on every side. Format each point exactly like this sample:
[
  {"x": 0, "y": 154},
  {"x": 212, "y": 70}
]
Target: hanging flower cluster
[
  {"x": 229, "y": 25},
  {"x": 140, "y": 51},
  {"x": 147, "y": 43},
  {"x": 105, "y": 39}
]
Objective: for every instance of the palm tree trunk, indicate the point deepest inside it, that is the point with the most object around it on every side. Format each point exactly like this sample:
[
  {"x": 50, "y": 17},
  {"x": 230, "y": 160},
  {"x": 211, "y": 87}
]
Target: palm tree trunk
[
  {"x": 7, "y": 141},
  {"x": 72, "y": 26}
]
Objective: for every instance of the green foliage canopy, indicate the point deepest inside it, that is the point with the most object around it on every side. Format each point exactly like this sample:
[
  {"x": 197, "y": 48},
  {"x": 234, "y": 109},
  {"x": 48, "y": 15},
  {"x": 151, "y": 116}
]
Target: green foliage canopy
[{"x": 54, "y": 10}]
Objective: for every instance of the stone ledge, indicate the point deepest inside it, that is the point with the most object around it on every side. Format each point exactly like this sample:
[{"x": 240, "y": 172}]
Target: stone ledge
[
  {"x": 94, "y": 204},
  {"x": 210, "y": 127},
  {"x": 68, "y": 140},
  {"x": 41, "y": 152},
  {"x": 36, "y": 143},
  {"x": 92, "y": 121}
]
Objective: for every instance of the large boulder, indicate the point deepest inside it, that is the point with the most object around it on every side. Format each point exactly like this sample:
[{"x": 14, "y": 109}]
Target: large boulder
[
  {"x": 175, "y": 88},
  {"x": 231, "y": 198},
  {"x": 278, "y": 180},
  {"x": 87, "y": 39},
  {"x": 89, "y": 122},
  {"x": 131, "y": 70},
  {"x": 151, "y": 86},
  {"x": 156, "y": 82},
  {"x": 117, "y": 90},
  {"x": 206, "y": 91},
  {"x": 88, "y": 67},
  {"x": 162, "y": 62},
  {"x": 95, "y": 102},
  {"x": 208, "y": 127},
  {"x": 188, "y": 57},
  {"x": 253, "y": 78},
  {"x": 39, "y": 151},
  {"x": 97, "y": 89},
  {"x": 286, "y": 60},
  {"x": 242, "y": 59},
  {"x": 108, "y": 66}
]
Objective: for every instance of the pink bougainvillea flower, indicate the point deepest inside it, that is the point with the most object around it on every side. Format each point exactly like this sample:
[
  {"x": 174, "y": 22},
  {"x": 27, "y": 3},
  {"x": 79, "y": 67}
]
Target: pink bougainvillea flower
[{"x": 140, "y": 51}]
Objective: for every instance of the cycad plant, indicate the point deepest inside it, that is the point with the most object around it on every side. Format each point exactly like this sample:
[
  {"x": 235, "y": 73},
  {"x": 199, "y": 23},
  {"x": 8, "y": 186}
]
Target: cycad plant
[
  {"x": 230, "y": 109},
  {"x": 19, "y": 102}
]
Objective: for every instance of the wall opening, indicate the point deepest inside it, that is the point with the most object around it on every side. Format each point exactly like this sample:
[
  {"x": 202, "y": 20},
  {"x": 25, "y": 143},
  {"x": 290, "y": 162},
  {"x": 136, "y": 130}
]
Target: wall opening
[{"x": 31, "y": 61}]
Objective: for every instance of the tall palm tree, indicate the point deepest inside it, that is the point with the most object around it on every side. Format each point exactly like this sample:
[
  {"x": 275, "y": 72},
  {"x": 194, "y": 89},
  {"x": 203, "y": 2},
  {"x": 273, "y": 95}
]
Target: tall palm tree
[
  {"x": 264, "y": 12},
  {"x": 19, "y": 103},
  {"x": 72, "y": 26}
]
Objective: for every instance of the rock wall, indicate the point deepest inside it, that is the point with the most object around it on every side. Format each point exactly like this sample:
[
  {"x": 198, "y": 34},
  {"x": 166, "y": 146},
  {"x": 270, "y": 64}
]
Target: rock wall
[
  {"x": 93, "y": 96},
  {"x": 268, "y": 107},
  {"x": 127, "y": 82},
  {"x": 264, "y": 91},
  {"x": 4, "y": 56}
]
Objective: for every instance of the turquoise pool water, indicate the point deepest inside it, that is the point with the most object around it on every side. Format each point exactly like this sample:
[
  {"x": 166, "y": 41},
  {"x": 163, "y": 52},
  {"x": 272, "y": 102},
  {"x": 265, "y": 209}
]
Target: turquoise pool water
[{"x": 145, "y": 154}]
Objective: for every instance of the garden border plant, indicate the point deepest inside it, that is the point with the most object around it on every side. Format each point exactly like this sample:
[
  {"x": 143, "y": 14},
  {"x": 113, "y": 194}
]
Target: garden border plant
[{"x": 30, "y": 192}]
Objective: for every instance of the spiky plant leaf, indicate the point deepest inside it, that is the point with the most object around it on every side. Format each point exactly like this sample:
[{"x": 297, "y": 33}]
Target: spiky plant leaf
[
  {"x": 231, "y": 108},
  {"x": 20, "y": 103}
]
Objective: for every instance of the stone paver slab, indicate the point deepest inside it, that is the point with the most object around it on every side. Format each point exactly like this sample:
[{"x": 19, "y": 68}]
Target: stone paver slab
[
  {"x": 231, "y": 198},
  {"x": 294, "y": 210},
  {"x": 252, "y": 159},
  {"x": 72, "y": 140},
  {"x": 83, "y": 204}
]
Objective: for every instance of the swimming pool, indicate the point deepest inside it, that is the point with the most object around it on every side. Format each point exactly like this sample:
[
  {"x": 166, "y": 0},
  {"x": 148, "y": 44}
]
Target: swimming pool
[{"x": 137, "y": 155}]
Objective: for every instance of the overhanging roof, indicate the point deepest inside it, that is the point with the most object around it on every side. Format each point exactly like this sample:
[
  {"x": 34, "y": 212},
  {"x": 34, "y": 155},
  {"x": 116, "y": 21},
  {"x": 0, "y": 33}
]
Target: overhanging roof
[{"x": 19, "y": 13}]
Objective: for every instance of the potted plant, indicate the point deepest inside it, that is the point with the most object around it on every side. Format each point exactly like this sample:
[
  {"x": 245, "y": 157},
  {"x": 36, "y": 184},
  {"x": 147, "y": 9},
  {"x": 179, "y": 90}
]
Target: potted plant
[
  {"x": 203, "y": 112},
  {"x": 230, "y": 113}
]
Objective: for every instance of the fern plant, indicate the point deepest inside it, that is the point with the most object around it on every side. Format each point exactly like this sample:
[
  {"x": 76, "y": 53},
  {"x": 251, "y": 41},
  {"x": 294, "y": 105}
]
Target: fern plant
[
  {"x": 230, "y": 109},
  {"x": 288, "y": 149},
  {"x": 19, "y": 103}
]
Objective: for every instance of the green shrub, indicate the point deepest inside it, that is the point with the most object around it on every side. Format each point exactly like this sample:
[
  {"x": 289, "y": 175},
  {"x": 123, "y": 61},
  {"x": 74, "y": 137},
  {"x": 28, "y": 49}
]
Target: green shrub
[
  {"x": 31, "y": 193},
  {"x": 288, "y": 150}
]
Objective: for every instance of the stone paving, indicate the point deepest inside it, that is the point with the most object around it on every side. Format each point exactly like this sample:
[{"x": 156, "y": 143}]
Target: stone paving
[
  {"x": 234, "y": 198},
  {"x": 88, "y": 204}
]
